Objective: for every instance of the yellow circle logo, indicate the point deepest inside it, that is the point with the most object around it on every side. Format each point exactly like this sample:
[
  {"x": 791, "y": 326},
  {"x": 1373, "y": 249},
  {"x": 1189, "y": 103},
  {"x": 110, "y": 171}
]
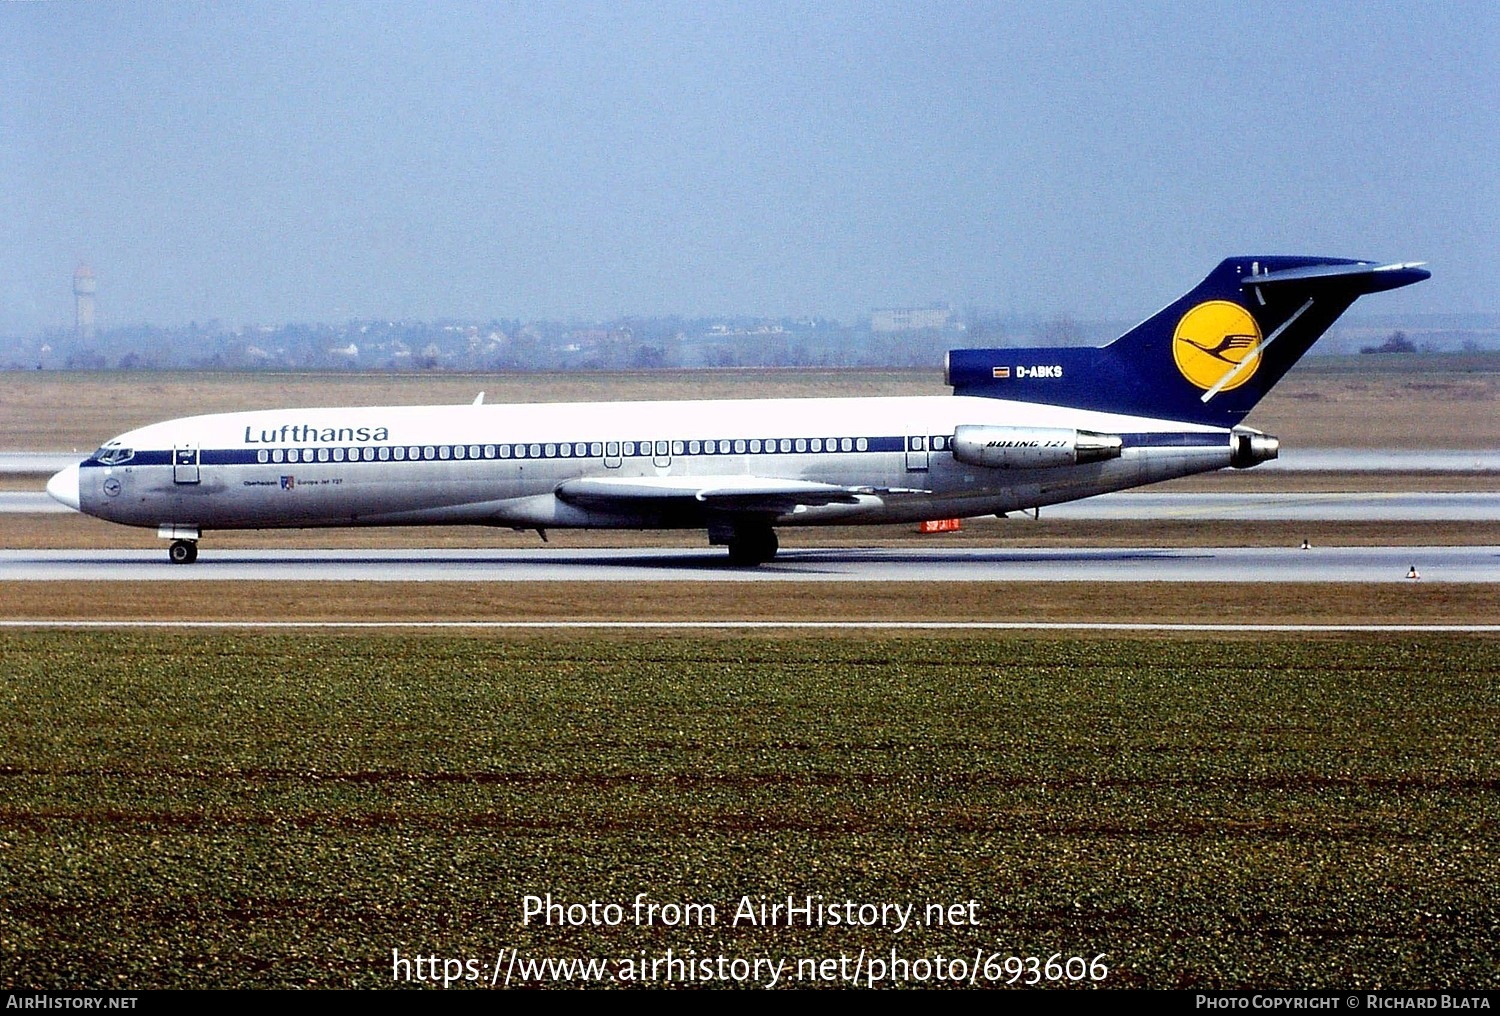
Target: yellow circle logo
[{"x": 1212, "y": 340}]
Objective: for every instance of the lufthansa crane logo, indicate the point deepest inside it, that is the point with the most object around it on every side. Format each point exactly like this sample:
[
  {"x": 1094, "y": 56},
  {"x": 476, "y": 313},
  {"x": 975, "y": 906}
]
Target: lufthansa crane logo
[{"x": 1214, "y": 339}]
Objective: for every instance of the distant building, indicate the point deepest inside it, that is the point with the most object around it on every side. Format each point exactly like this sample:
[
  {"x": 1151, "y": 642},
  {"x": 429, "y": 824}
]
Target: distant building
[
  {"x": 84, "y": 285},
  {"x": 911, "y": 319},
  {"x": 1397, "y": 343}
]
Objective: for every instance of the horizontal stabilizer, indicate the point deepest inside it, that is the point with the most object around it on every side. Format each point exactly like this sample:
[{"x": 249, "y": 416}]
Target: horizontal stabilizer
[{"x": 1362, "y": 276}]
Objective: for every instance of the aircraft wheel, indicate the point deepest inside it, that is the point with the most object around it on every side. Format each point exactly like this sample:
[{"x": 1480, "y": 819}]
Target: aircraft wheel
[
  {"x": 749, "y": 547},
  {"x": 183, "y": 551}
]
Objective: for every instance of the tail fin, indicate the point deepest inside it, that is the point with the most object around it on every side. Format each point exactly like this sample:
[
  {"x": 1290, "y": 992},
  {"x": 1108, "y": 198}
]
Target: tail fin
[{"x": 1209, "y": 357}]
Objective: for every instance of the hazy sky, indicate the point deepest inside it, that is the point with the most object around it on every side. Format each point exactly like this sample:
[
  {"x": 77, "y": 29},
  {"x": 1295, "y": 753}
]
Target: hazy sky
[{"x": 278, "y": 162}]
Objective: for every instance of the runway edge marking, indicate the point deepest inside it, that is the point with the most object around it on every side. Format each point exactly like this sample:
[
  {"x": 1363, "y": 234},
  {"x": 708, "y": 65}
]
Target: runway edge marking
[{"x": 1122, "y": 626}]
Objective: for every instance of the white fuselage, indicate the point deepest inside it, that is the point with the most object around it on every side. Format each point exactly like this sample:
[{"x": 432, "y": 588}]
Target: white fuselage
[{"x": 504, "y": 464}]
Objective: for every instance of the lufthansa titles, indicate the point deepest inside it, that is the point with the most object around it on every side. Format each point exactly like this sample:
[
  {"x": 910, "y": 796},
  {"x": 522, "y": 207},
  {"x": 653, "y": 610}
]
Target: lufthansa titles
[{"x": 298, "y": 433}]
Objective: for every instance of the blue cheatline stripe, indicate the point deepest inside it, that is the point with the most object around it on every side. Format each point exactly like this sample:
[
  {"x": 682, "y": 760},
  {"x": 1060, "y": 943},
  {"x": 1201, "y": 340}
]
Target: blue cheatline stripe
[{"x": 492, "y": 451}]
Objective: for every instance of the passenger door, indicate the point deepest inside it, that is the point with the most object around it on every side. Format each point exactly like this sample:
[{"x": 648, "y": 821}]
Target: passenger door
[{"x": 185, "y": 463}]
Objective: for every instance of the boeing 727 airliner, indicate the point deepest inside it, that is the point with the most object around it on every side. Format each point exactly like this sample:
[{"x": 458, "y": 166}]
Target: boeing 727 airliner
[{"x": 1024, "y": 428}]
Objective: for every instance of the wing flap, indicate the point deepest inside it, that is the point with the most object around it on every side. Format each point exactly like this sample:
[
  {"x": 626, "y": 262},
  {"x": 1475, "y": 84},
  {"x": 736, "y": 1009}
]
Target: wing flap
[{"x": 724, "y": 493}]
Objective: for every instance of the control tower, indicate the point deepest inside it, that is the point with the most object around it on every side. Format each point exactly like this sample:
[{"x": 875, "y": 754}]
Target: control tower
[{"x": 83, "y": 293}]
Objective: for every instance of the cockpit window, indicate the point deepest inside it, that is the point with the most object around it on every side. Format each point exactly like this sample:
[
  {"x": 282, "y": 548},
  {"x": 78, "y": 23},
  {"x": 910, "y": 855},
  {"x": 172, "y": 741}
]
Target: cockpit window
[{"x": 113, "y": 455}]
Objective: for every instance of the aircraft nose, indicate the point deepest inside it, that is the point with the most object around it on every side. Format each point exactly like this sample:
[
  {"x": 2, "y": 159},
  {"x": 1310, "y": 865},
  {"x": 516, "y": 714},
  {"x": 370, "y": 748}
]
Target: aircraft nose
[{"x": 64, "y": 487}]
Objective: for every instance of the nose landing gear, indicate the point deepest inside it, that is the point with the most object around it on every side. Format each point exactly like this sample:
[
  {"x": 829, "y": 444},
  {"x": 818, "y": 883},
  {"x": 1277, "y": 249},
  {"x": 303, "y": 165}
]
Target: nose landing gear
[{"x": 184, "y": 548}]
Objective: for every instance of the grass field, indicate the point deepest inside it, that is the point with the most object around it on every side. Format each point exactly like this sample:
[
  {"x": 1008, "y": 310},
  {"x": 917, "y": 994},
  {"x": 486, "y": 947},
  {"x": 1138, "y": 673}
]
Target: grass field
[
  {"x": 384, "y": 602},
  {"x": 187, "y": 811}
]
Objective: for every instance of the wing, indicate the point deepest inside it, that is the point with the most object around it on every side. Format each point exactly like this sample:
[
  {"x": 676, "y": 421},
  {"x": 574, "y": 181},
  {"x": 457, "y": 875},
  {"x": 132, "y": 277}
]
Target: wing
[{"x": 753, "y": 494}]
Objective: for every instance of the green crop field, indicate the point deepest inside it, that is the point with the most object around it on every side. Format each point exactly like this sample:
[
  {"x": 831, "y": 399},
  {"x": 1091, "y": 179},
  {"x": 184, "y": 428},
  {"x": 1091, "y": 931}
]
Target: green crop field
[{"x": 207, "y": 810}]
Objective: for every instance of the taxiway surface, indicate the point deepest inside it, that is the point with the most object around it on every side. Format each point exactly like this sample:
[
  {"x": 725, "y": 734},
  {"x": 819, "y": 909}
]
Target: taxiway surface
[{"x": 956, "y": 564}]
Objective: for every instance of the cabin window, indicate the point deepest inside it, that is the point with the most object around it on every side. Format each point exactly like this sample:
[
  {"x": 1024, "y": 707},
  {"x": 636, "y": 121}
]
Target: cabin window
[
  {"x": 596, "y": 449},
  {"x": 429, "y": 452},
  {"x": 693, "y": 447},
  {"x": 261, "y": 456},
  {"x": 551, "y": 450},
  {"x": 676, "y": 447},
  {"x": 786, "y": 445},
  {"x": 862, "y": 445},
  {"x": 535, "y": 451},
  {"x": 739, "y": 446},
  {"x": 566, "y": 450},
  {"x": 473, "y": 451},
  {"x": 338, "y": 455},
  {"x": 369, "y": 455},
  {"x": 489, "y": 451},
  {"x": 400, "y": 452},
  {"x": 385, "y": 454},
  {"x": 846, "y": 445},
  {"x": 802, "y": 444},
  {"x": 505, "y": 451},
  {"x": 661, "y": 448},
  {"x": 612, "y": 449},
  {"x": 817, "y": 444},
  {"x": 322, "y": 454},
  {"x": 939, "y": 443},
  {"x": 458, "y": 451},
  {"x": 444, "y": 451},
  {"x": 755, "y": 446},
  {"x": 414, "y": 453}
]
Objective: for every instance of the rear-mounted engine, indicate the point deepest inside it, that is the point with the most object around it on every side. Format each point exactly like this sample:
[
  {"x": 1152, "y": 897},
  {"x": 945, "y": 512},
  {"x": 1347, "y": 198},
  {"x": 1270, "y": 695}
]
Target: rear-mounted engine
[
  {"x": 1250, "y": 448},
  {"x": 1031, "y": 447}
]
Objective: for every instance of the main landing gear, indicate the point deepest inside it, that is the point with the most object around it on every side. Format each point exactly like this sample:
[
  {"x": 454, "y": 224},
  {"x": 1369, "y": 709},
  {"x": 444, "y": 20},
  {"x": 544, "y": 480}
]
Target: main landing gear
[
  {"x": 183, "y": 551},
  {"x": 750, "y": 545}
]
